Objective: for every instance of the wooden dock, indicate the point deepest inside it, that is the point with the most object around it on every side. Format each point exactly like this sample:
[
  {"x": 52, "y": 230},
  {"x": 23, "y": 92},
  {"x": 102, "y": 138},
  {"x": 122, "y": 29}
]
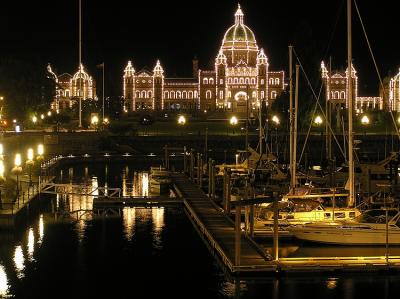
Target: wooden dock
[{"x": 218, "y": 231}]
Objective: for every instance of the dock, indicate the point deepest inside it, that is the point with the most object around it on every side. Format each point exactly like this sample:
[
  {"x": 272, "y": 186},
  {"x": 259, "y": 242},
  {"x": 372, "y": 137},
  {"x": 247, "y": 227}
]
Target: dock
[{"x": 218, "y": 231}]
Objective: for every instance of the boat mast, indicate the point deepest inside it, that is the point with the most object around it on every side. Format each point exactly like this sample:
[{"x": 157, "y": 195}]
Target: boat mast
[
  {"x": 291, "y": 160},
  {"x": 350, "y": 106},
  {"x": 296, "y": 106}
]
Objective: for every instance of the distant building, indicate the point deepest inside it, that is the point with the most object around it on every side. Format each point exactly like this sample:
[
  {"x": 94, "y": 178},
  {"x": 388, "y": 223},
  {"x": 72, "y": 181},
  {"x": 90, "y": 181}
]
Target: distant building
[
  {"x": 394, "y": 93},
  {"x": 241, "y": 73},
  {"x": 336, "y": 85},
  {"x": 70, "y": 88}
]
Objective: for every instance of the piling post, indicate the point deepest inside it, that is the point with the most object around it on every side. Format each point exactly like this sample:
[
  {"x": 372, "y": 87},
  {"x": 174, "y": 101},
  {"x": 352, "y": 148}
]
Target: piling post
[
  {"x": 209, "y": 177},
  {"x": 276, "y": 232},
  {"x": 198, "y": 169},
  {"x": 201, "y": 172},
  {"x": 166, "y": 156},
  {"x": 246, "y": 208},
  {"x": 238, "y": 213},
  {"x": 213, "y": 179},
  {"x": 191, "y": 164},
  {"x": 184, "y": 160}
]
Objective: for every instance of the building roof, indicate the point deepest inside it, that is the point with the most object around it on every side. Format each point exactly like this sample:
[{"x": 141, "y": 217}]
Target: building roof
[{"x": 239, "y": 32}]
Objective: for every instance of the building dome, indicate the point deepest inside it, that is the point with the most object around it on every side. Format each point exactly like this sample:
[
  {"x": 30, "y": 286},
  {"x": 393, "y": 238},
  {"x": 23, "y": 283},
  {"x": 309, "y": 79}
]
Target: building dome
[{"x": 239, "y": 32}]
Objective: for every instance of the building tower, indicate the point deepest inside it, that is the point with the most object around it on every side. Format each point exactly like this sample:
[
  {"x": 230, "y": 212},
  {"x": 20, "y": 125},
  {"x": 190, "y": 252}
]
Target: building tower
[
  {"x": 129, "y": 86},
  {"x": 158, "y": 85}
]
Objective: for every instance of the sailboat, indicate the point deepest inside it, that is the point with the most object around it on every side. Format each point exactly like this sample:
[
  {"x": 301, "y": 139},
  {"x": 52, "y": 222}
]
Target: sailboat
[{"x": 373, "y": 227}]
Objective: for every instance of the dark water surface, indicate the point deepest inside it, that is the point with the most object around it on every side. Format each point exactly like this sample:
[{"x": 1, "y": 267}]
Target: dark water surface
[{"x": 144, "y": 253}]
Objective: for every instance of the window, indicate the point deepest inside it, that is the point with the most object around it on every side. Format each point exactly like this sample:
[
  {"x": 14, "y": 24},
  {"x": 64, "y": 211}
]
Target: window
[
  {"x": 196, "y": 94},
  {"x": 138, "y": 94},
  {"x": 337, "y": 95},
  {"x": 273, "y": 94},
  {"x": 262, "y": 94},
  {"x": 254, "y": 95},
  {"x": 178, "y": 94},
  {"x": 208, "y": 94},
  {"x": 166, "y": 94},
  {"x": 143, "y": 94},
  {"x": 149, "y": 94},
  {"x": 276, "y": 81},
  {"x": 253, "y": 80},
  {"x": 271, "y": 81},
  {"x": 205, "y": 81},
  {"x": 221, "y": 81},
  {"x": 247, "y": 80},
  {"x": 211, "y": 81},
  {"x": 190, "y": 94},
  {"x": 172, "y": 94},
  {"x": 262, "y": 81},
  {"x": 241, "y": 81},
  {"x": 332, "y": 95},
  {"x": 221, "y": 94},
  {"x": 184, "y": 95},
  {"x": 235, "y": 80},
  {"x": 342, "y": 95}
]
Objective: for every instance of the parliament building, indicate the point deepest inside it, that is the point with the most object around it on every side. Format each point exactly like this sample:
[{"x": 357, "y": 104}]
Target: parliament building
[{"x": 240, "y": 80}]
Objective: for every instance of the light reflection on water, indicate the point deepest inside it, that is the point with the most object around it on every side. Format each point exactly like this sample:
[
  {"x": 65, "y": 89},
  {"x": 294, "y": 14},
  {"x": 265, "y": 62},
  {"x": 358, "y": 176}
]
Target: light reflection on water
[
  {"x": 31, "y": 244},
  {"x": 3, "y": 282},
  {"x": 19, "y": 261}
]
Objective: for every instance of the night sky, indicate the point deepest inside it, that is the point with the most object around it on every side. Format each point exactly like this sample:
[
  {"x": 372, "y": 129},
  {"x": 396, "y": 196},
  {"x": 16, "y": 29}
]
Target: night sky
[{"x": 175, "y": 31}]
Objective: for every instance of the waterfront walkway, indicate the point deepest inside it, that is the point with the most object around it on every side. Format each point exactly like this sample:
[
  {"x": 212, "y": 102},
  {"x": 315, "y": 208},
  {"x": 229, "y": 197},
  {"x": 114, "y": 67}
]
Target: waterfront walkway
[{"x": 219, "y": 230}]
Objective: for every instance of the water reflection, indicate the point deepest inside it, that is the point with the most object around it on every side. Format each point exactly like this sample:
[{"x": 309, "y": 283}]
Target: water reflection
[
  {"x": 331, "y": 283},
  {"x": 3, "y": 282},
  {"x": 129, "y": 217},
  {"x": 31, "y": 244},
  {"x": 41, "y": 229},
  {"x": 19, "y": 261}
]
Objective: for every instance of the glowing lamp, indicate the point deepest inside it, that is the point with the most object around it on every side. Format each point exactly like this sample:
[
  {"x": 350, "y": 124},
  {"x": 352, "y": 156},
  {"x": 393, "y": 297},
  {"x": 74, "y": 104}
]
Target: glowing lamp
[{"x": 233, "y": 121}]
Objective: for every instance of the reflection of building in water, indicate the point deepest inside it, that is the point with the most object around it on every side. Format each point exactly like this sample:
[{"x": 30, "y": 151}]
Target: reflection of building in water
[
  {"x": 31, "y": 244},
  {"x": 41, "y": 229},
  {"x": 129, "y": 218},
  {"x": 19, "y": 261},
  {"x": 3, "y": 282},
  {"x": 157, "y": 215}
]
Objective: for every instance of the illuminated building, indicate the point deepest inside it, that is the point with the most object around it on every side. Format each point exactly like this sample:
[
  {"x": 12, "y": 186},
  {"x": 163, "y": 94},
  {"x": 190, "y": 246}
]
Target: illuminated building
[
  {"x": 394, "y": 93},
  {"x": 336, "y": 88},
  {"x": 241, "y": 72},
  {"x": 70, "y": 88}
]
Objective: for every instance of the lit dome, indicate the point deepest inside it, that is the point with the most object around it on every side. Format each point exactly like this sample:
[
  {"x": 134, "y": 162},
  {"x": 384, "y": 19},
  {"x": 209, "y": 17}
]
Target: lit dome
[
  {"x": 239, "y": 32},
  {"x": 81, "y": 74}
]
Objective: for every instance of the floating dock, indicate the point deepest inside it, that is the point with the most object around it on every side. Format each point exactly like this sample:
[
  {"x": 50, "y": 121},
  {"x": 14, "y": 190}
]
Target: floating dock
[{"x": 218, "y": 230}]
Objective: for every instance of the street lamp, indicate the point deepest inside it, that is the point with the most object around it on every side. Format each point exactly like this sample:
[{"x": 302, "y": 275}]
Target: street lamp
[
  {"x": 34, "y": 119},
  {"x": 30, "y": 163},
  {"x": 94, "y": 121},
  {"x": 233, "y": 121},
  {"x": 318, "y": 120},
  {"x": 106, "y": 121},
  {"x": 365, "y": 120},
  {"x": 276, "y": 120},
  {"x": 181, "y": 120}
]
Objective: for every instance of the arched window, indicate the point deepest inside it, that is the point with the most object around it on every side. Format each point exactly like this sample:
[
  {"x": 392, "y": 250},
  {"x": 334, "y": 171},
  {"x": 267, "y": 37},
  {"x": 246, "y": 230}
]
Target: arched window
[
  {"x": 342, "y": 95},
  {"x": 229, "y": 94},
  {"x": 332, "y": 95},
  {"x": 235, "y": 80},
  {"x": 221, "y": 94},
  {"x": 143, "y": 94},
  {"x": 208, "y": 94},
  {"x": 271, "y": 81},
  {"x": 276, "y": 81},
  {"x": 221, "y": 81},
  {"x": 184, "y": 95},
  {"x": 67, "y": 93},
  {"x": 262, "y": 94},
  {"x": 254, "y": 95},
  {"x": 273, "y": 94},
  {"x": 196, "y": 95},
  {"x": 172, "y": 94},
  {"x": 241, "y": 81},
  {"x": 62, "y": 93},
  {"x": 205, "y": 81},
  {"x": 262, "y": 82},
  {"x": 178, "y": 94},
  {"x": 253, "y": 80},
  {"x": 190, "y": 94},
  {"x": 138, "y": 94},
  {"x": 149, "y": 94},
  {"x": 337, "y": 95},
  {"x": 166, "y": 94},
  {"x": 211, "y": 81},
  {"x": 247, "y": 80}
]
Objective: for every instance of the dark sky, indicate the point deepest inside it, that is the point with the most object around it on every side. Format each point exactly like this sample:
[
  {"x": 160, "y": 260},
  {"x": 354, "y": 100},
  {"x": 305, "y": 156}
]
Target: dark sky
[{"x": 175, "y": 31}]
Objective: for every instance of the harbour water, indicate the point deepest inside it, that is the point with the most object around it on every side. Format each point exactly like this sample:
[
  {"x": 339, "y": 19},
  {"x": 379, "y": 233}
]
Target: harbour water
[{"x": 66, "y": 252}]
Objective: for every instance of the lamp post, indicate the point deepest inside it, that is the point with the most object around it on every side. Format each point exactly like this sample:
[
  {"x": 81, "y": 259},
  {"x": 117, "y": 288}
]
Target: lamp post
[
  {"x": 2, "y": 179},
  {"x": 181, "y": 120},
  {"x": 29, "y": 163},
  {"x": 233, "y": 121},
  {"x": 17, "y": 170}
]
